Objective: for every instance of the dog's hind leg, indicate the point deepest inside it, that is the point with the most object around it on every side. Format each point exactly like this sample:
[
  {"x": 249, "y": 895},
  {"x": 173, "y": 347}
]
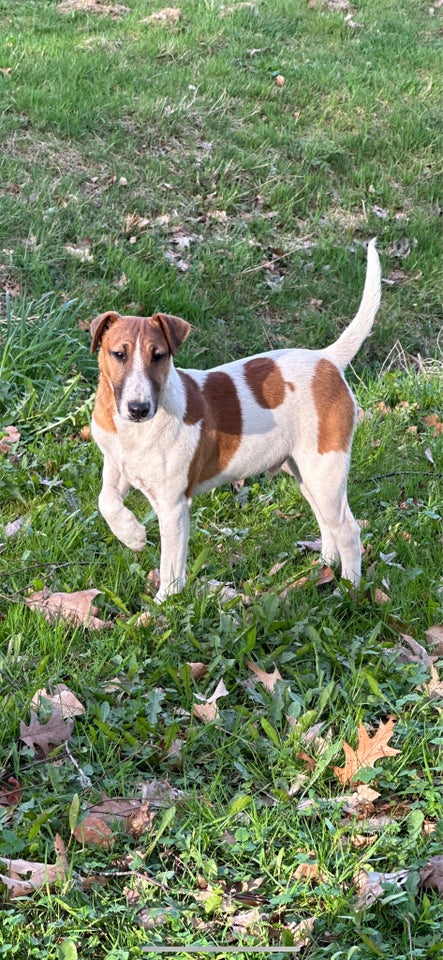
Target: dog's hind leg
[{"x": 323, "y": 484}]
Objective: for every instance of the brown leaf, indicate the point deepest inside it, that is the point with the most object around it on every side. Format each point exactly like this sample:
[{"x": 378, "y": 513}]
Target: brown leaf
[
  {"x": 435, "y": 686},
  {"x": 370, "y": 885},
  {"x": 11, "y": 437},
  {"x": 42, "y": 735},
  {"x": 416, "y": 653},
  {"x": 37, "y": 874},
  {"x": 197, "y": 669},
  {"x": 268, "y": 680},
  {"x": 362, "y": 800},
  {"x": 208, "y": 709},
  {"x": 435, "y": 636},
  {"x": 62, "y": 700},
  {"x": 108, "y": 810},
  {"x": 313, "y": 545},
  {"x": 244, "y": 920},
  {"x": 369, "y": 750},
  {"x": 13, "y": 527},
  {"x": 10, "y": 795},
  {"x": 75, "y": 608},
  {"x": 139, "y": 821},
  {"x": 433, "y": 421},
  {"x": 301, "y": 933},
  {"x": 310, "y": 872},
  {"x": 94, "y": 831},
  {"x": 431, "y": 875}
]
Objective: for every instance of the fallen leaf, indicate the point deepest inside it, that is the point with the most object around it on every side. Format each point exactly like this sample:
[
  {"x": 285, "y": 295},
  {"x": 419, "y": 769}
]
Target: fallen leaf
[
  {"x": 62, "y": 699},
  {"x": 94, "y": 831},
  {"x": 14, "y": 526},
  {"x": 197, "y": 669},
  {"x": 361, "y": 801},
  {"x": 435, "y": 636},
  {"x": 139, "y": 821},
  {"x": 159, "y": 793},
  {"x": 369, "y": 885},
  {"x": 380, "y": 596},
  {"x": 301, "y": 933},
  {"x": 361, "y": 840},
  {"x": 225, "y": 592},
  {"x": 11, "y": 437},
  {"x": 435, "y": 686},
  {"x": 37, "y": 874},
  {"x": 268, "y": 680},
  {"x": 10, "y": 795},
  {"x": 43, "y": 735},
  {"x": 416, "y": 653},
  {"x": 433, "y": 421},
  {"x": 313, "y": 545},
  {"x": 6, "y": 71},
  {"x": 310, "y": 872},
  {"x": 369, "y": 750},
  {"x": 431, "y": 875},
  {"x": 133, "y": 221},
  {"x": 108, "y": 809},
  {"x": 428, "y": 455},
  {"x": 75, "y": 608},
  {"x": 245, "y": 919},
  {"x": 81, "y": 250},
  {"x": 208, "y": 709}
]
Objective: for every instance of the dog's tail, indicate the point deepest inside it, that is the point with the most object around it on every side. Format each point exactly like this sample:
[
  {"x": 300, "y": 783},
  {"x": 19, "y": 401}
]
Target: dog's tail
[{"x": 345, "y": 348}]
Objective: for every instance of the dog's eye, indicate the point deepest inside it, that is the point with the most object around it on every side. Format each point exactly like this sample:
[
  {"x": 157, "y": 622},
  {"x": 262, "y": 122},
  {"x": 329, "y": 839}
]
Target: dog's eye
[
  {"x": 119, "y": 355},
  {"x": 156, "y": 357}
]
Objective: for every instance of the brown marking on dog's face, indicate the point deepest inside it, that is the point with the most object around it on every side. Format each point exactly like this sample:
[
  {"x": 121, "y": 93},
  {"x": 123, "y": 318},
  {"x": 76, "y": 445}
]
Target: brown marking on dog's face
[
  {"x": 217, "y": 406},
  {"x": 335, "y": 408},
  {"x": 134, "y": 363},
  {"x": 265, "y": 381}
]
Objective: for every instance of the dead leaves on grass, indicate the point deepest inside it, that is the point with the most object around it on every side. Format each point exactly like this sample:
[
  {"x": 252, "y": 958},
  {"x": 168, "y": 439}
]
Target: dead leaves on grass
[
  {"x": 75, "y": 608},
  {"x": 369, "y": 750},
  {"x": 37, "y": 874},
  {"x": 46, "y": 735}
]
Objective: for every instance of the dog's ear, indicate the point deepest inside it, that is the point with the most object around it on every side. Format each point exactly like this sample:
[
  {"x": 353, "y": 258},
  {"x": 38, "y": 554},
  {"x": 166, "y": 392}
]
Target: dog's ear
[
  {"x": 99, "y": 325},
  {"x": 174, "y": 329}
]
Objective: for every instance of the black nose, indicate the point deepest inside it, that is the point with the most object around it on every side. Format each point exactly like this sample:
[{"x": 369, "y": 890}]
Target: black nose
[{"x": 139, "y": 410}]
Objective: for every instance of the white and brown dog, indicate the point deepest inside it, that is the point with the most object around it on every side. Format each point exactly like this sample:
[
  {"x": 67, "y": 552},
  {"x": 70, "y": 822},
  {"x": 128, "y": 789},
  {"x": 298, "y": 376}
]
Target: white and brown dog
[{"x": 175, "y": 433}]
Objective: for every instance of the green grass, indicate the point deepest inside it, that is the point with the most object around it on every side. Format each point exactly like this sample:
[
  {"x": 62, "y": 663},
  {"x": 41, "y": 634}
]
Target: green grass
[{"x": 184, "y": 126}]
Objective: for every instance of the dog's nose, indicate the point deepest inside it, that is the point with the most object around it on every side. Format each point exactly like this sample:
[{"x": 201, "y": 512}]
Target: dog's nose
[{"x": 139, "y": 410}]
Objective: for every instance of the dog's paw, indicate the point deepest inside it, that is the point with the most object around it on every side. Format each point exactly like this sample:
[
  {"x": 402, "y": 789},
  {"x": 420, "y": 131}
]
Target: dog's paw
[{"x": 134, "y": 536}]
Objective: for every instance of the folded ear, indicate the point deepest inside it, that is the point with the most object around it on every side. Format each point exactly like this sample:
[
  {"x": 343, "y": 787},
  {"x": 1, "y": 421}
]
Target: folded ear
[
  {"x": 174, "y": 329},
  {"x": 99, "y": 325}
]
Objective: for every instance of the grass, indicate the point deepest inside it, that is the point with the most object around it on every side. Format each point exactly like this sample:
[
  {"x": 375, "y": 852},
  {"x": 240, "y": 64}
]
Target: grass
[{"x": 160, "y": 167}]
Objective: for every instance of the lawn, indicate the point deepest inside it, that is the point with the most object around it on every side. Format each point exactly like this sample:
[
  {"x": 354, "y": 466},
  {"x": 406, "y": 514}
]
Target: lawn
[{"x": 257, "y": 763}]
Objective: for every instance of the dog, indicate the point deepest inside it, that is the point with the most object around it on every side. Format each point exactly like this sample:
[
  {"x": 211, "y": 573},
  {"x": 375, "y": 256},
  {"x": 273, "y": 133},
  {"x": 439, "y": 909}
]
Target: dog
[{"x": 175, "y": 433}]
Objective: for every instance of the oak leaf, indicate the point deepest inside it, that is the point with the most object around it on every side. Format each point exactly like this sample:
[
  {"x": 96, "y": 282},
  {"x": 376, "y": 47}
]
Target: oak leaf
[
  {"x": 435, "y": 686},
  {"x": 370, "y": 887},
  {"x": 435, "y": 636},
  {"x": 94, "y": 831},
  {"x": 43, "y": 735},
  {"x": 62, "y": 699},
  {"x": 268, "y": 680},
  {"x": 36, "y": 874},
  {"x": 208, "y": 709},
  {"x": 75, "y": 608},
  {"x": 369, "y": 750},
  {"x": 431, "y": 875}
]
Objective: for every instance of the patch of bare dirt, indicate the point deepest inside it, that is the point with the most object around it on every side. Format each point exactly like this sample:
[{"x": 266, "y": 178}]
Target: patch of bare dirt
[{"x": 103, "y": 7}]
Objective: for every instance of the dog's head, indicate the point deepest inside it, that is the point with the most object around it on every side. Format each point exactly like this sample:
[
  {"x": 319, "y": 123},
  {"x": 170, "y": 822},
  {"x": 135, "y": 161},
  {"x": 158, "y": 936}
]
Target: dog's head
[{"x": 135, "y": 358}]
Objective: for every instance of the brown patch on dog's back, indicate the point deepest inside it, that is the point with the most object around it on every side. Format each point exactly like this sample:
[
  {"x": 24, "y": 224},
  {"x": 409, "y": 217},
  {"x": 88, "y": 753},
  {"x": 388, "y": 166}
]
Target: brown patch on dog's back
[
  {"x": 217, "y": 406},
  {"x": 265, "y": 381},
  {"x": 334, "y": 406}
]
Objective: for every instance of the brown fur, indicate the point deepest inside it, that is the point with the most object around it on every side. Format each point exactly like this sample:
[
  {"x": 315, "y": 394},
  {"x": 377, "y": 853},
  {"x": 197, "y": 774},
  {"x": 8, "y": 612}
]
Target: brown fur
[
  {"x": 265, "y": 381},
  {"x": 334, "y": 406},
  {"x": 218, "y": 407}
]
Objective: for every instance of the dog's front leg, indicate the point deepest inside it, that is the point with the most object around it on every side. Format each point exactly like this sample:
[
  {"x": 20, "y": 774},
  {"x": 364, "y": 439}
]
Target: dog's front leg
[
  {"x": 174, "y": 535},
  {"x": 122, "y": 521}
]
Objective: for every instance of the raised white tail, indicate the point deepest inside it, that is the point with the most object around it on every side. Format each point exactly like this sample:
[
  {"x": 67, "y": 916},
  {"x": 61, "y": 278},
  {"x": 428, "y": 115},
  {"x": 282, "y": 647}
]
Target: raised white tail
[{"x": 350, "y": 341}]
